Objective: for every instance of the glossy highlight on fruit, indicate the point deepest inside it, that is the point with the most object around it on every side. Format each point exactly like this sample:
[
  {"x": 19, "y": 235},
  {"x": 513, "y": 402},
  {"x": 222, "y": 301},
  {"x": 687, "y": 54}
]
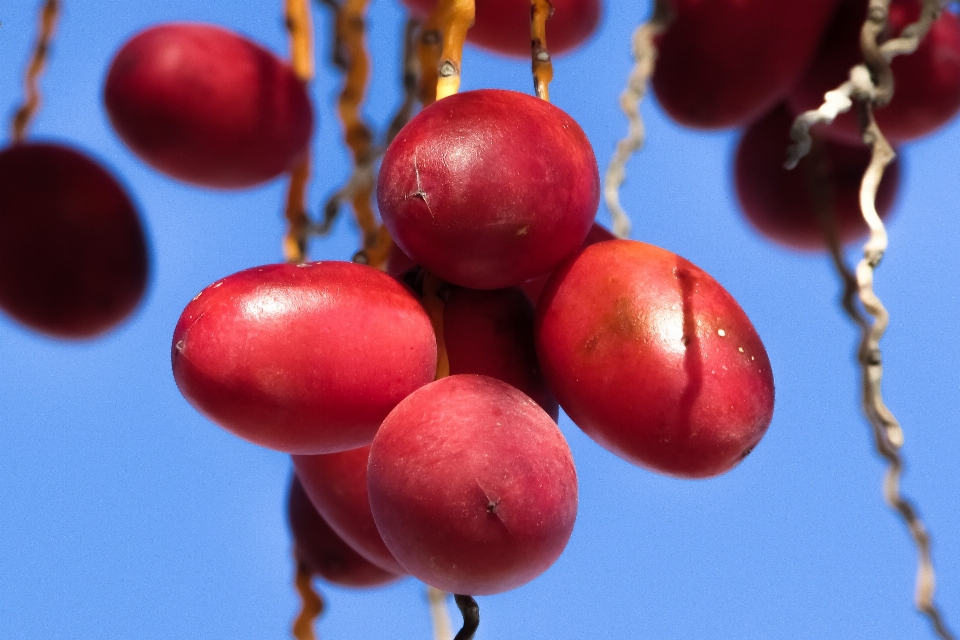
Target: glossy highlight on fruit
[
  {"x": 324, "y": 552},
  {"x": 73, "y": 256},
  {"x": 489, "y": 188},
  {"x": 723, "y": 63},
  {"x": 303, "y": 358},
  {"x": 207, "y": 106},
  {"x": 503, "y": 26},
  {"x": 472, "y": 486},
  {"x": 654, "y": 360},
  {"x": 821, "y": 195}
]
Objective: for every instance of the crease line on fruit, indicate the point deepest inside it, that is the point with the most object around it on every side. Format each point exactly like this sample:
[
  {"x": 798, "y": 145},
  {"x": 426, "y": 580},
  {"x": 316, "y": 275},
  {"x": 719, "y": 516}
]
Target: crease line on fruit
[{"x": 645, "y": 60}]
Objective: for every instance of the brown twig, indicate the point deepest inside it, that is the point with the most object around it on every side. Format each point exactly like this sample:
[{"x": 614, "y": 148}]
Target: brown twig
[
  {"x": 645, "y": 58},
  {"x": 31, "y": 82},
  {"x": 471, "y": 617},
  {"x": 311, "y": 604},
  {"x": 542, "y": 66},
  {"x": 457, "y": 18}
]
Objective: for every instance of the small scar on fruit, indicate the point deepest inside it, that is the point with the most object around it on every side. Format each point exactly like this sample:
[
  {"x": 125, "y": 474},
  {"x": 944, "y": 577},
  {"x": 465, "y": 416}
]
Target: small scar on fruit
[
  {"x": 492, "y": 506},
  {"x": 746, "y": 453},
  {"x": 522, "y": 231}
]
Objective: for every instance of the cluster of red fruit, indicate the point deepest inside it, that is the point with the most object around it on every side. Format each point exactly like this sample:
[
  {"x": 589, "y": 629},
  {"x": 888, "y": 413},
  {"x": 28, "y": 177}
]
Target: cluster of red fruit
[{"x": 758, "y": 64}]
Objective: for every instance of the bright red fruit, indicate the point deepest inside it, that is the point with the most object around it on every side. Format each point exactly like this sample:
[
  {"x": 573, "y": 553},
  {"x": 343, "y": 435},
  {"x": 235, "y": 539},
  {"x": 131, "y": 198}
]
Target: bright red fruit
[
  {"x": 723, "y": 63},
  {"x": 489, "y": 188},
  {"x": 534, "y": 287},
  {"x": 73, "y": 257},
  {"x": 472, "y": 486},
  {"x": 327, "y": 555},
  {"x": 927, "y": 82},
  {"x": 207, "y": 106},
  {"x": 654, "y": 360},
  {"x": 504, "y": 25},
  {"x": 303, "y": 358},
  {"x": 797, "y": 207},
  {"x": 337, "y": 486}
]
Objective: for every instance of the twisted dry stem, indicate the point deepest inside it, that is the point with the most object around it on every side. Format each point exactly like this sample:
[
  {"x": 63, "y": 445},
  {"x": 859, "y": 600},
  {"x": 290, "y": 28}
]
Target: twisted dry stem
[
  {"x": 542, "y": 66},
  {"x": 645, "y": 58},
  {"x": 471, "y": 617},
  {"x": 410, "y": 79},
  {"x": 311, "y": 603},
  {"x": 298, "y": 22},
  {"x": 31, "y": 82},
  {"x": 438, "y": 613},
  {"x": 457, "y": 18},
  {"x": 871, "y": 84}
]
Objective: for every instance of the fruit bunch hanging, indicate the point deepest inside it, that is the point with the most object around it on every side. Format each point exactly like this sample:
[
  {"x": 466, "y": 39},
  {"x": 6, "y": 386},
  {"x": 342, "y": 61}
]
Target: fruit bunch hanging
[{"x": 417, "y": 387}]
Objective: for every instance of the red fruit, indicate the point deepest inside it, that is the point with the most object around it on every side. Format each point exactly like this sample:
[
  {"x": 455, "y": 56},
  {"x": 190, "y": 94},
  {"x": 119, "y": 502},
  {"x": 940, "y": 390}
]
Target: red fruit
[
  {"x": 337, "y": 486},
  {"x": 503, "y": 26},
  {"x": 327, "y": 555},
  {"x": 207, "y": 106},
  {"x": 926, "y": 82},
  {"x": 792, "y": 207},
  {"x": 490, "y": 333},
  {"x": 534, "y": 287},
  {"x": 723, "y": 63},
  {"x": 472, "y": 486},
  {"x": 654, "y": 360},
  {"x": 489, "y": 188},
  {"x": 73, "y": 257},
  {"x": 303, "y": 358}
]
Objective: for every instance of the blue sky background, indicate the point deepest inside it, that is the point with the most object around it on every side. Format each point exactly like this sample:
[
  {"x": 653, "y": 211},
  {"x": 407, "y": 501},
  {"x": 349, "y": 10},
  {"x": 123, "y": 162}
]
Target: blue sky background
[{"x": 125, "y": 514}]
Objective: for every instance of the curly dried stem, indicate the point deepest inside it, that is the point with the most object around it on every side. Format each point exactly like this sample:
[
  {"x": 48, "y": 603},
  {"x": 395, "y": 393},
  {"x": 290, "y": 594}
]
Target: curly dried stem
[
  {"x": 311, "y": 604},
  {"x": 410, "y": 79},
  {"x": 457, "y": 18},
  {"x": 471, "y": 617},
  {"x": 298, "y": 22},
  {"x": 438, "y": 613},
  {"x": 645, "y": 58},
  {"x": 429, "y": 50},
  {"x": 541, "y": 64},
  {"x": 49, "y": 14}
]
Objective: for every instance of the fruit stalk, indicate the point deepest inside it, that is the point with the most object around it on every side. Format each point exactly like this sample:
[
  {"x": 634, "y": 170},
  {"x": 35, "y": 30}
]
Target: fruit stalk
[
  {"x": 457, "y": 18},
  {"x": 438, "y": 613},
  {"x": 645, "y": 59},
  {"x": 542, "y": 66},
  {"x": 299, "y": 26},
  {"x": 471, "y": 617},
  {"x": 49, "y": 14},
  {"x": 311, "y": 604}
]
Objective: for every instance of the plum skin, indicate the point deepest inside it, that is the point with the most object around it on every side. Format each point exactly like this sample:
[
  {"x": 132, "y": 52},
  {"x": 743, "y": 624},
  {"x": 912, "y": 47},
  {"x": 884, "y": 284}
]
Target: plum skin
[{"x": 654, "y": 360}]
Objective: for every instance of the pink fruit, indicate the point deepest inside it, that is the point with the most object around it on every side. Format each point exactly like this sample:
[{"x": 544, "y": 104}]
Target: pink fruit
[
  {"x": 207, "y": 106},
  {"x": 489, "y": 188},
  {"x": 303, "y": 358},
  {"x": 73, "y": 257},
  {"x": 654, "y": 360},
  {"x": 472, "y": 486}
]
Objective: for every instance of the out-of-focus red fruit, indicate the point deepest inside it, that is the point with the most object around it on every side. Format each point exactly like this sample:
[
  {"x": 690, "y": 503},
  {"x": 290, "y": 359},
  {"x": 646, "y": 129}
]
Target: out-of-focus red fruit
[
  {"x": 73, "y": 257},
  {"x": 490, "y": 333},
  {"x": 337, "y": 486},
  {"x": 723, "y": 63},
  {"x": 503, "y": 26},
  {"x": 797, "y": 208},
  {"x": 472, "y": 486},
  {"x": 534, "y": 287},
  {"x": 926, "y": 82},
  {"x": 327, "y": 555},
  {"x": 207, "y": 106},
  {"x": 303, "y": 358},
  {"x": 489, "y": 188},
  {"x": 654, "y": 360}
]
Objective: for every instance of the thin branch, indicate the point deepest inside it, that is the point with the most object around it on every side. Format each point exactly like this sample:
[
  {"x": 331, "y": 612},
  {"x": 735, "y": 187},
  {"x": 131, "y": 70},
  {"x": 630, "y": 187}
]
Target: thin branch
[
  {"x": 645, "y": 58},
  {"x": 311, "y": 604},
  {"x": 457, "y": 18},
  {"x": 541, "y": 65},
  {"x": 471, "y": 617},
  {"x": 31, "y": 82},
  {"x": 438, "y": 613}
]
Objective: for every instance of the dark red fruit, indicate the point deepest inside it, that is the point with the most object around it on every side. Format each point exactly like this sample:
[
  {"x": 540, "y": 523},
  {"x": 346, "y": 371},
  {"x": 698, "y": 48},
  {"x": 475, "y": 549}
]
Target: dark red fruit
[
  {"x": 926, "y": 82},
  {"x": 723, "y": 63},
  {"x": 489, "y": 188},
  {"x": 303, "y": 358},
  {"x": 503, "y": 26},
  {"x": 534, "y": 287},
  {"x": 323, "y": 551},
  {"x": 73, "y": 257},
  {"x": 472, "y": 486},
  {"x": 337, "y": 486},
  {"x": 207, "y": 106},
  {"x": 654, "y": 360},
  {"x": 797, "y": 208}
]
